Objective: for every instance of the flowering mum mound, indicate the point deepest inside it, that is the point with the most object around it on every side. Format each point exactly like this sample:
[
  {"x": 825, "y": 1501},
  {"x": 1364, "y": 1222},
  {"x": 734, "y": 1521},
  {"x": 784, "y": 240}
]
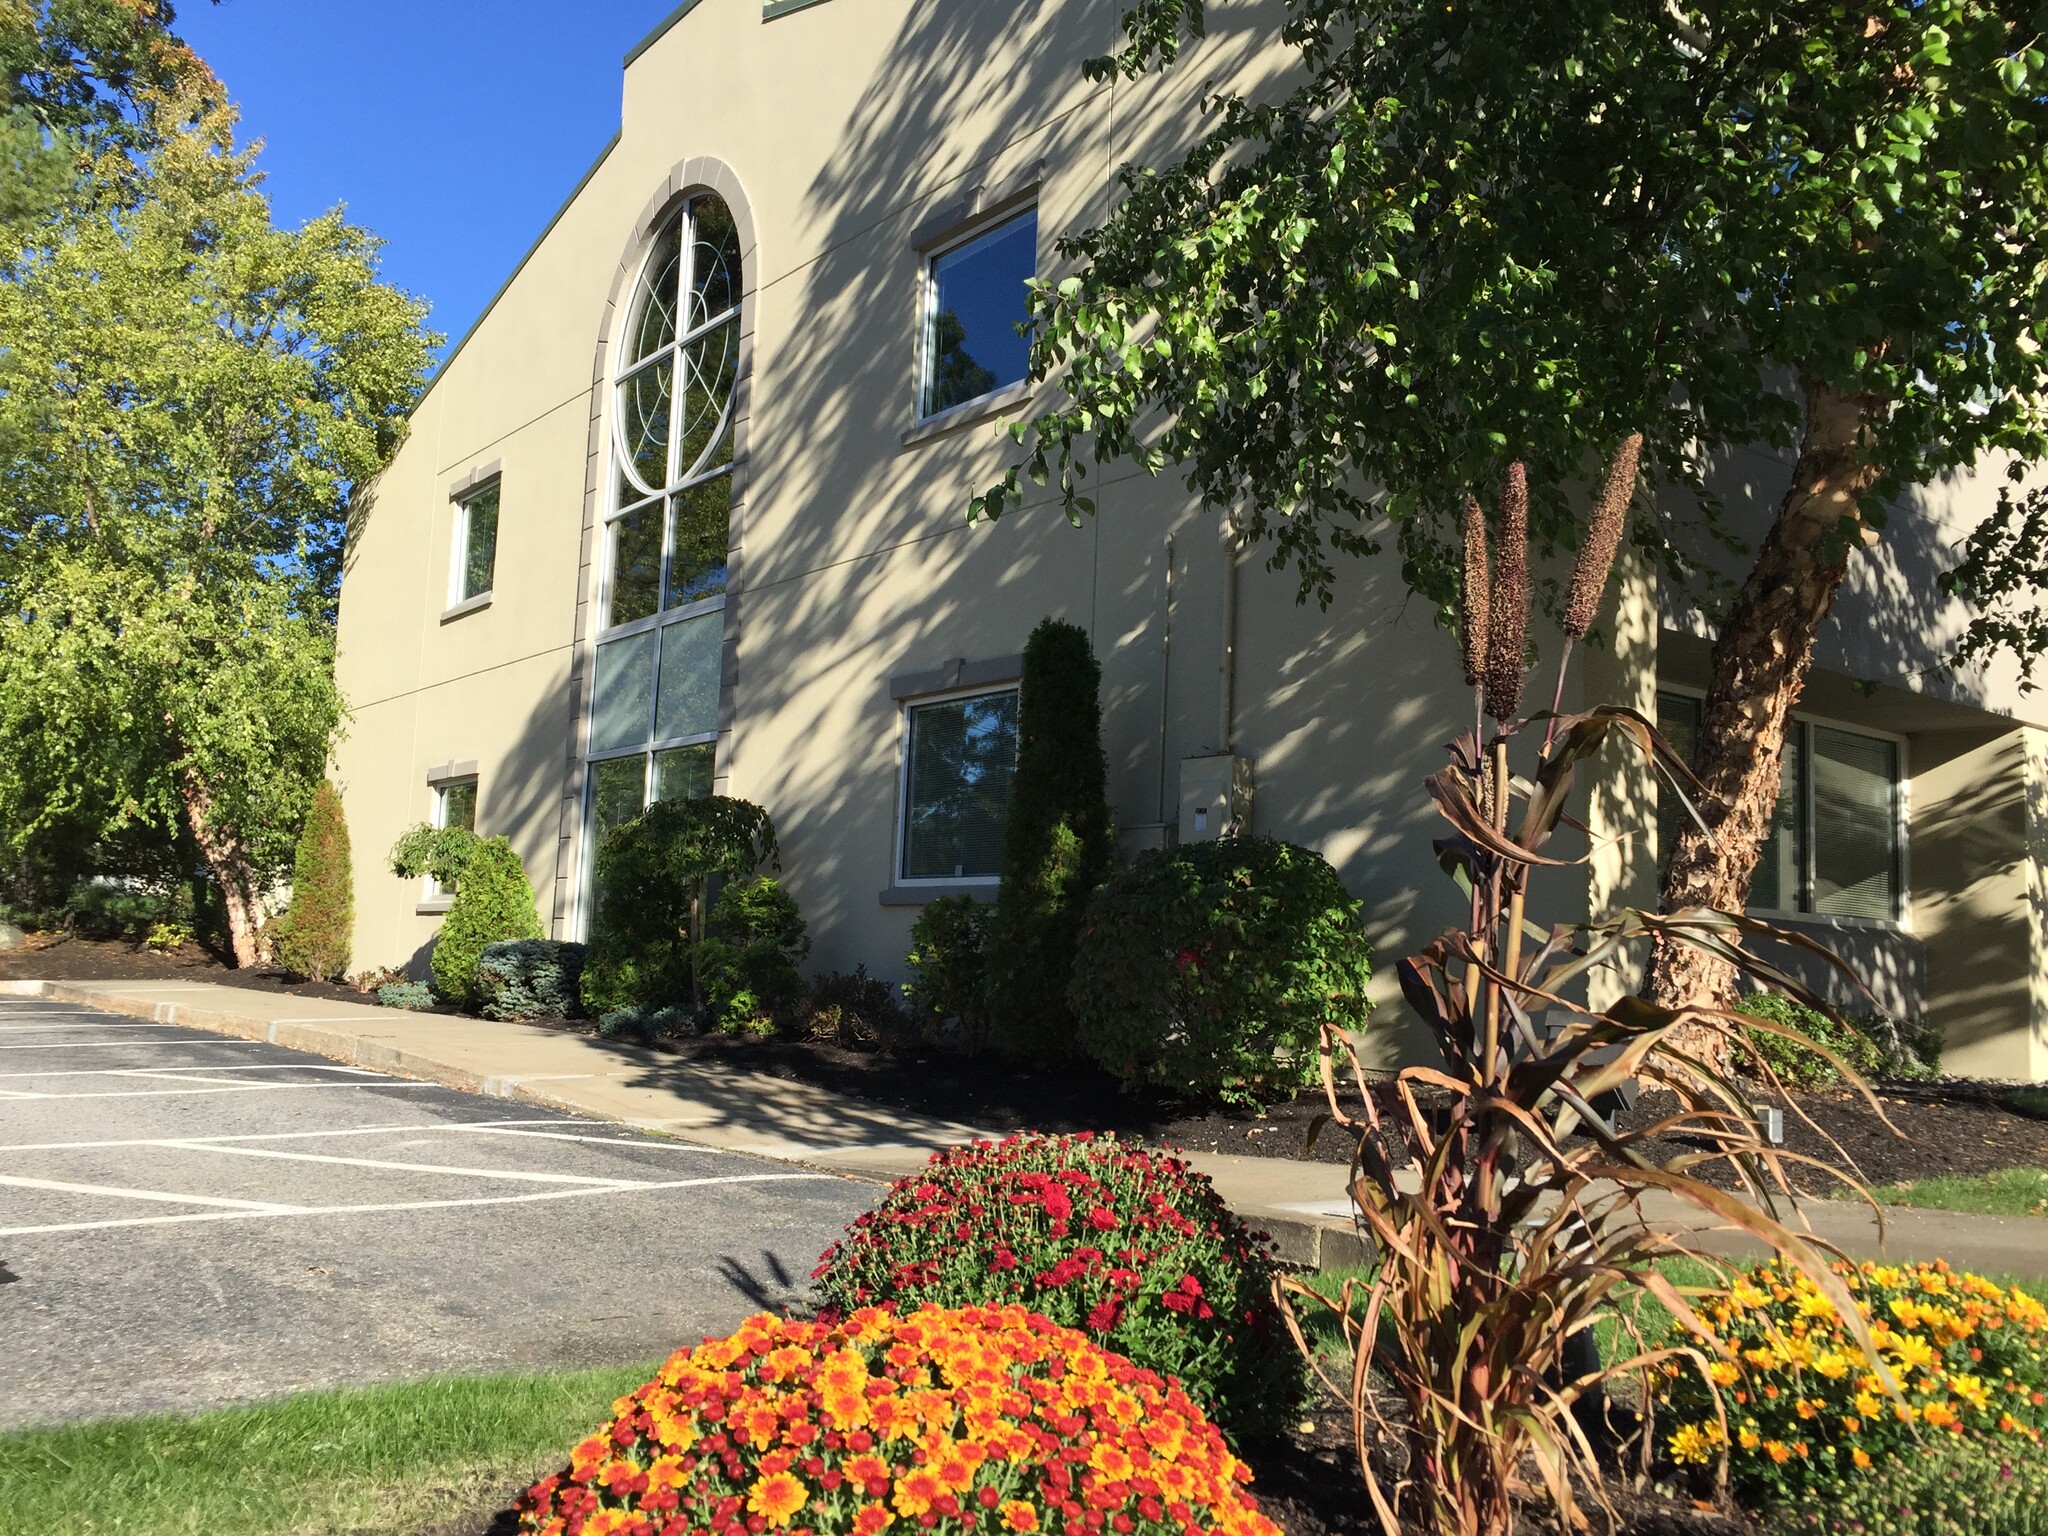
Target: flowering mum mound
[
  {"x": 1128, "y": 1245},
  {"x": 978, "y": 1420},
  {"x": 1806, "y": 1410}
]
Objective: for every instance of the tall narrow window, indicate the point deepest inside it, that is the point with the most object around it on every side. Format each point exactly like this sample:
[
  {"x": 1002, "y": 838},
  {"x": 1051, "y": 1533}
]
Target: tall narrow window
[
  {"x": 654, "y": 691},
  {"x": 454, "y": 806},
  {"x": 1833, "y": 847},
  {"x": 974, "y": 300},
  {"x": 476, "y": 546},
  {"x": 960, "y": 756}
]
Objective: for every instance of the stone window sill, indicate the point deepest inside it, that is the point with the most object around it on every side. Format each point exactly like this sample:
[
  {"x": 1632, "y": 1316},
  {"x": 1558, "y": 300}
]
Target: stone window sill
[
  {"x": 466, "y": 606},
  {"x": 434, "y": 906},
  {"x": 1002, "y": 401},
  {"x": 918, "y": 895}
]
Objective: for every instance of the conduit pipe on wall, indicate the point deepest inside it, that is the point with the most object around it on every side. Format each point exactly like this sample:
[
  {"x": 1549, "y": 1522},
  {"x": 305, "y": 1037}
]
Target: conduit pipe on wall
[
  {"x": 1226, "y": 724},
  {"x": 1165, "y": 681}
]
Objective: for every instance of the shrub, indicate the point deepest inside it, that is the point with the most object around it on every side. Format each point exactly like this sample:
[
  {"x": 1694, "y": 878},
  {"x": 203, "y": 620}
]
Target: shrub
[
  {"x": 168, "y": 936},
  {"x": 1211, "y": 968},
  {"x": 101, "y": 911},
  {"x": 1965, "y": 1488},
  {"x": 315, "y": 943},
  {"x": 948, "y": 986},
  {"x": 406, "y": 994},
  {"x": 1872, "y": 1045},
  {"x": 987, "y": 1420},
  {"x": 493, "y": 903},
  {"x": 1126, "y": 1244},
  {"x": 1806, "y": 1411},
  {"x": 530, "y": 979},
  {"x": 653, "y": 880},
  {"x": 858, "y": 1010},
  {"x": 646, "y": 1023},
  {"x": 747, "y": 962},
  {"x": 1057, "y": 844},
  {"x": 442, "y": 852}
]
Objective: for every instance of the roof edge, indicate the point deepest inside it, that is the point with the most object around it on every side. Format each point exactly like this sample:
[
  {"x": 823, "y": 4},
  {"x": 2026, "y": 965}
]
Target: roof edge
[
  {"x": 539, "y": 240},
  {"x": 660, "y": 27}
]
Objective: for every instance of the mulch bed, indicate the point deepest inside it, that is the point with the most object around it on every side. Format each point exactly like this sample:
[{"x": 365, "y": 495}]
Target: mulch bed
[{"x": 1952, "y": 1127}]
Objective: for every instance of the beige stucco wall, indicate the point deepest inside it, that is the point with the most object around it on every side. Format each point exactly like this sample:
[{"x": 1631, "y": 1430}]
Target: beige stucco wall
[{"x": 847, "y": 128}]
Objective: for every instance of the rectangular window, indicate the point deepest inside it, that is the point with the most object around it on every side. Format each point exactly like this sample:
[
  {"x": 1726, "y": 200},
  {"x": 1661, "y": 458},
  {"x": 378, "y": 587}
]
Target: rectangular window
[
  {"x": 476, "y": 545},
  {"x": 974, "y": 300},
  {"x": 1834, "y": 847},
  {"x": 454, "y": 806},
  {"x": 960, "y": 756}
]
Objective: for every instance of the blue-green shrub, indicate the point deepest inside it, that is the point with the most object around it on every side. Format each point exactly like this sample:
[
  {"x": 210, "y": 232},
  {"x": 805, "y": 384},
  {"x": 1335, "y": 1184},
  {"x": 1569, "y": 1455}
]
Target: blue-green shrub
[
  {"x": 406, "y": 994},
  {"x": 530, "y": 979}
]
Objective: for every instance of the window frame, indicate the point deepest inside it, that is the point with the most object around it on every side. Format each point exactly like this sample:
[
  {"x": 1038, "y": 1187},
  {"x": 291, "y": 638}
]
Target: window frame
[
  {"x": 437, "y": 817},
  {"x": 929, "y": 254},
  {"x": 463, "y": 498},
  {"x": 934, "y": 884},
  {"x": 1803, "y": 723}
]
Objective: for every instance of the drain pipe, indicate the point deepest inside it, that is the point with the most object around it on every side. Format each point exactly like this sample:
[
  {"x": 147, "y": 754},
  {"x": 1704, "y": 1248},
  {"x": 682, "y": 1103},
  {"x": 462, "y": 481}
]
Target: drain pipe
[
  {"x": 1226, "y": 723},
  {"x": 1165, "y": 683}
]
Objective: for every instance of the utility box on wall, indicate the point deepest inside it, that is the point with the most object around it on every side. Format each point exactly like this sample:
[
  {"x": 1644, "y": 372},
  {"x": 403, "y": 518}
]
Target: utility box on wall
[{"x": 1215, "y": 794}]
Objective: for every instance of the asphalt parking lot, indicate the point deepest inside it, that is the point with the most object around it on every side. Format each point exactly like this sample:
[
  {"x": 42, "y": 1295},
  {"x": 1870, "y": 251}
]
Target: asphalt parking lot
[{"x": 188, "y": 1220}]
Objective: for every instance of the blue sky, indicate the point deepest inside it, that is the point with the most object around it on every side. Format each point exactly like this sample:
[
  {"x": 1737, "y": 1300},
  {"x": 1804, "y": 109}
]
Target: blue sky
[{"x": 453, "y": 128}]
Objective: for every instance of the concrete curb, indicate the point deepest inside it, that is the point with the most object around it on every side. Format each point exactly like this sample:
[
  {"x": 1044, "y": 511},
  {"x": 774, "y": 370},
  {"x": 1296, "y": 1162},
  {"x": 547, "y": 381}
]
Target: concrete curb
[{"x": 1306, "y": 1241}]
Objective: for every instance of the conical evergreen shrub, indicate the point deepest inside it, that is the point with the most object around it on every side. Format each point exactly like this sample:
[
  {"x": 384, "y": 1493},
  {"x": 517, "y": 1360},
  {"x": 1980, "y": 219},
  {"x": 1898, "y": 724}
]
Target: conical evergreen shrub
[
  {"x": 492, "y": 904},
  {"x": 315, "y": 942},
  {"x": 1058, "y": 845}
]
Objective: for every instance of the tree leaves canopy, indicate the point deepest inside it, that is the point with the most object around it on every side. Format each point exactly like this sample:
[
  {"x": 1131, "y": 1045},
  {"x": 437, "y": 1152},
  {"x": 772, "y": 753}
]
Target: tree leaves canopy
[{"x": 1493, "y": 231}]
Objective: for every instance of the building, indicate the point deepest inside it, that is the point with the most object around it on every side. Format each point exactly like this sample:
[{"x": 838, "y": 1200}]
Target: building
[{"x": 685, "y": 510}]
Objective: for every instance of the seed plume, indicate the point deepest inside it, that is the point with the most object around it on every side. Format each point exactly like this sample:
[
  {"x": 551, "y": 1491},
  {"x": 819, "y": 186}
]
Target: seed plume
[
  {"x": 1477, "y": 595},
  {"x": 1603, "y": 537},
  {"x": 1508, "y": 613}
]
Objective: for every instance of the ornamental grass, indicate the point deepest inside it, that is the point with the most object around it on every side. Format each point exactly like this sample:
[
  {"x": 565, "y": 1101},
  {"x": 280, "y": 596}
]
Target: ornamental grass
[
  {"x": 977, "y": 1420},
  {"x": 1127, "y": 1245},
  {"x": 1799, "y": 1407}
]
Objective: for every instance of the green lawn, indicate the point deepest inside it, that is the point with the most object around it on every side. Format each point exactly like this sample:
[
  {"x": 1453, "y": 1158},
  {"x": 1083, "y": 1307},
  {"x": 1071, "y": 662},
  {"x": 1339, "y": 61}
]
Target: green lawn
[
  {"x": 2008, "y": 1192},
  {"x": 380, "y": 1461}
]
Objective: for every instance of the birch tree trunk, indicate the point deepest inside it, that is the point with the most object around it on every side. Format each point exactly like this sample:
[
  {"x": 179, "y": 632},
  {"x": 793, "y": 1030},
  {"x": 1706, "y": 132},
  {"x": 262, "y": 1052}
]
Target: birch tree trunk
[
  {"x": 1760, "y": 662},
  {"x": 232, "y": 872}
]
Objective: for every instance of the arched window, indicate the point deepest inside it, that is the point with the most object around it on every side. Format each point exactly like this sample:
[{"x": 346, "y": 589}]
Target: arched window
[{"x": 661, "y": 606}]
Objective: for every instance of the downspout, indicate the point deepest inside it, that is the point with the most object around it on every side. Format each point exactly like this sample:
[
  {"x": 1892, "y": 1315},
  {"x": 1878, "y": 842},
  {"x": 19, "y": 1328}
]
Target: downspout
[
  {"x": 1226, "y": 724},
  {"x": 1165, "y": 682}
]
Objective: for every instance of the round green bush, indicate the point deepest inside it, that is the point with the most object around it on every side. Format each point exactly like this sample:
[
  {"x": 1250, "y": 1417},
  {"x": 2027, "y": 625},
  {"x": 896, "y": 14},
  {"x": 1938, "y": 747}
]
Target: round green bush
[
  {"x": 492, "y": 904},
  {"x": 747, "y": 964},
  {"x": 1211, "y": 968},
  {"x": 1125, "y": 1243},
  {"x": 1792, "y": 1063}
]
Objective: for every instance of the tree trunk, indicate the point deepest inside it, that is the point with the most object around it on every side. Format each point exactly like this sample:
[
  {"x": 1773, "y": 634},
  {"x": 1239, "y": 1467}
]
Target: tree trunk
[
  {"x": 232, "y": 872},
  {"x": 1760, "y": 662}
]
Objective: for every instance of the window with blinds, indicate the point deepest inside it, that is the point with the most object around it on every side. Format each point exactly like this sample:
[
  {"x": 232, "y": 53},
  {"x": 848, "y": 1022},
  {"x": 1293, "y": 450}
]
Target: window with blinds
[{"x": 1835, "y": 848}]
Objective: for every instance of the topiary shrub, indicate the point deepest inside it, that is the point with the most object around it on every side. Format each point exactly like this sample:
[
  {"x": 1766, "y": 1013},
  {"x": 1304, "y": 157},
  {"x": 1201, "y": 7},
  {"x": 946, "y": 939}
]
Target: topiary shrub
[
  {"x": 530, "y": 979},
  {"x": 1057, "y": 844},
  {"x": 1211, "y": 968},
  {"x": 406, "y": 994},
  {"x": 1962, "y": 1488},
  {"x": 1792, "y": 1063},
  {"x": 979, "y": 1420},
  {"x": 948, "y": 987},
  {"x": 315, "y": 942},
  {"x": 653, "y": 895},
  {"x": 493, "y": 903},
  {"x": 1805, "y": 1410},
  {"x": 747, "y": 963},
  {"x": 1125, "y": 1243}
]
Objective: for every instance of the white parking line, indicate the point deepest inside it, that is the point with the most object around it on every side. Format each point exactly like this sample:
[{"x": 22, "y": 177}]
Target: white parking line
[
  {"x": 373, "y": 1162},
  {"x": 127, "y": 1045},
  {"x": 120, "y": 1192},
  {"x": 488, "y": 1127},
  {"x": 413, "y": 1205},
  {"x": 254, "y": 1066},
  {"x": 183, "y": 1093}
]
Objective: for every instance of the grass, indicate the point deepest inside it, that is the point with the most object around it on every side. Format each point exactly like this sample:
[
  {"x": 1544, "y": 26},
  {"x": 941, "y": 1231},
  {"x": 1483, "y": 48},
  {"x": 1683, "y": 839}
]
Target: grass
[
  {"x": 2008, "y": 1192},
  {"x": 379, "y": 1461}
]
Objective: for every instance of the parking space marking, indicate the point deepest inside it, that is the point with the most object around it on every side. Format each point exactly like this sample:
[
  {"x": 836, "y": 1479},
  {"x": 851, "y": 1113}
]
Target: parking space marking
[
  {"x": 126, "y": 1045},
  {"x": 373, "y": 1162},
  {"x": 415, "y": 1205},
  {"x": 182, "y": 1093},
  {"x": 254, "y": 1066},
  {"x": 505, "y": 1128},
  {"x": 120, "y": 1192},
  {"x": 493, "y": 1127}
]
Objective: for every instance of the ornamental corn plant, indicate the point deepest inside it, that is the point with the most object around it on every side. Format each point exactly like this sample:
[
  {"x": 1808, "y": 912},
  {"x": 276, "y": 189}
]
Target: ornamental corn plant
[{"x": 1512, "y": 1215}]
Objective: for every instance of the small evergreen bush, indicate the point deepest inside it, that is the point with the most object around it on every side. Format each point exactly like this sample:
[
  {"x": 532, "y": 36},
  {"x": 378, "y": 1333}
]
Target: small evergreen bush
[
  {"x": 1127, "y": 1244},
  {"x": 315, "y": 942},
  {"x": 645, "y": 1023},
  {"x": 1872, "y": 1045},
  {"x": 653, "y": 897},
  {"x": 1058, "y": 843},
  {"x": 406, "y": 994},
  {"x": 1210, "y": 968},
  {"x": 530, "y": 979},
  {"x": 96, "y": 910},
  {"x": 860, "y": 1010},
  {"x": 747, "y": 963},
  {"x": 948, "y": 986},
  {"x": 493, "y": 903}
]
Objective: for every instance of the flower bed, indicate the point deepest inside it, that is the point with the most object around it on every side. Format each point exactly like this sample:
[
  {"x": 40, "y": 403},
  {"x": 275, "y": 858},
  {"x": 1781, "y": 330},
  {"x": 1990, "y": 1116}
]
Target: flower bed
[
  {"x": 1806, "y": 1409},
  {"x": 1128, "y": 1245},
  {"x": 977, "y": 1420}
]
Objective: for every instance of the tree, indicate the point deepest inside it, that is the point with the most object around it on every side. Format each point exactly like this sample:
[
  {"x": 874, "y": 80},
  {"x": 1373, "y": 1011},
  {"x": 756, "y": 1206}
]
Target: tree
[
  {"x": 195, "y": 404},
  {"x": 1057, "y": 843},
  {"x": 493, "y": 905},
  {"x": 323, "y": 910},
  {"x": 1493, "y": 232}
]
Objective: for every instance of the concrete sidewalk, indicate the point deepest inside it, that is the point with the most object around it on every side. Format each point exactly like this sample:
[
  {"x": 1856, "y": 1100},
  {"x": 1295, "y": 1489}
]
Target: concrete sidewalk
[{"x": 1302, "y": 1203}]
